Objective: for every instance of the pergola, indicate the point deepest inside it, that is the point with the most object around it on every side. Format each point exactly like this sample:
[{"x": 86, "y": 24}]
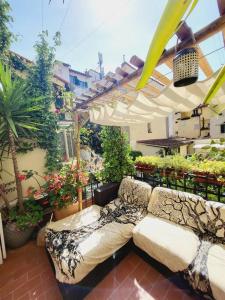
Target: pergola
[{"x": 114, "y": 100}]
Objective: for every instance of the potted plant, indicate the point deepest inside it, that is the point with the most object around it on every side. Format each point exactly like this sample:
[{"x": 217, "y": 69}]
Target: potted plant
[
  {"x": 19, "y": 227},
  {"x": 17, "y": 121},
  {"x": 62, "y": 190}
]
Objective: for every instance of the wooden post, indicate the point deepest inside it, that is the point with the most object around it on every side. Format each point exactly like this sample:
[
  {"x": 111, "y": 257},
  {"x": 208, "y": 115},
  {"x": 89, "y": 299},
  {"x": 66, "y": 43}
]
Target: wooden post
[{"x": 77, "y": 128}]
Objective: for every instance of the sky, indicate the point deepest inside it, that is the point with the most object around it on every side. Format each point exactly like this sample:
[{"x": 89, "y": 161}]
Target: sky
[{"x": 112, "y": 27}]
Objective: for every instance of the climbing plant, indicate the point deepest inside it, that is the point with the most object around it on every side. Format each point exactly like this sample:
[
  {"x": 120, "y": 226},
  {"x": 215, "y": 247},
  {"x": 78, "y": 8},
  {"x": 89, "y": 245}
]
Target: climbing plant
[
  {"x": 6, "y": 36},
  {"x": 116, "y": 154},
  {"x": 39, "y": 83}
]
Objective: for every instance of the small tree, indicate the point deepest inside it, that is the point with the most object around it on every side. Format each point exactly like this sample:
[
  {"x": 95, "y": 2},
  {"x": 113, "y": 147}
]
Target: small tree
[
  {"x": 16, "y": 120},
  {"x": 116, "y": 154}
]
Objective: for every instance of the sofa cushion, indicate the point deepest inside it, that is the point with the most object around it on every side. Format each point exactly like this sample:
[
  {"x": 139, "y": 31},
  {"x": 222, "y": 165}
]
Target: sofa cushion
[
  {"x": 216, "y": 270},
  {"x": 173, "y": 245},
  {"x": 216, "y": 219},
  {"x": 135, "y": 192},
  {"x": 179, "y": 207},
  {"x": 80, "y": 242}
]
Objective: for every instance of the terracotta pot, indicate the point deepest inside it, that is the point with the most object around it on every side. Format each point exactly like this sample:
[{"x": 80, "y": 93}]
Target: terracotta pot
[
  {"x": 14, "y": 237},
  {"x": 61, "y": 213}
]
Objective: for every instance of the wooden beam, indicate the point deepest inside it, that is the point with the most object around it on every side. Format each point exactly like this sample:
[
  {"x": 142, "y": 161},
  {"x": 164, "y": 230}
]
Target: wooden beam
[
  {"x": 201, "y": 35},
  {"x": 138, "y": 62},
  {"x": 160, "y": 77},
  {"x": 204, "y": 64},
  {"x": 121, "y": 72},
  {"x": 221, "y": 7},
  {"x": 151, "y": 90}
]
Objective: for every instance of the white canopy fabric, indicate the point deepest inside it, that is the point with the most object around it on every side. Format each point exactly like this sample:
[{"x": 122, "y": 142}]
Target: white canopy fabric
[{"x": 142, "y": 108}]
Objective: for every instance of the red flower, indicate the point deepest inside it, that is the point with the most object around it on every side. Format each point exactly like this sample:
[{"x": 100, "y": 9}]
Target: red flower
[{"x": 21, "y": 177}]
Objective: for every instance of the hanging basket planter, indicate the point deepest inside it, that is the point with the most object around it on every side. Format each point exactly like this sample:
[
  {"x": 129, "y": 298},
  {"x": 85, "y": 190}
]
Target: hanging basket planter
[{"x": 185, "y": 67}]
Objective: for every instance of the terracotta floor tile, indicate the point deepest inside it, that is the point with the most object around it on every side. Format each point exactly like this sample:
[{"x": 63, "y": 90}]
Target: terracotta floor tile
[
  {"x": 174, "y": 293},
  {"x": 27, "y": 275},
  {"x": 53, "y": 294},
  {"x": 24, "y": 297},
  {"x": 159, "y": 289},
  {"x": 8, "y": 297}
]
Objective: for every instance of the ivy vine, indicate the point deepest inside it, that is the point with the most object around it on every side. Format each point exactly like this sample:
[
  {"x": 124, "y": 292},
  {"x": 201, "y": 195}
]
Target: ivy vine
[{"x": 39, "y": 83}]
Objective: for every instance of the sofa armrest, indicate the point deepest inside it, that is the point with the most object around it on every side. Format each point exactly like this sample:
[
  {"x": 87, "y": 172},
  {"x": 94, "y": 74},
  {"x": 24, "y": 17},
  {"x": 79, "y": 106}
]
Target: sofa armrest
[{"x": 106, "y": 193}]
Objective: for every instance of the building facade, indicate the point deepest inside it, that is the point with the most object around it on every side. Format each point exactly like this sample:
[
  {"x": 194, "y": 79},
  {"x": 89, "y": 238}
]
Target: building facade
[{"x": 180, "y": 132}]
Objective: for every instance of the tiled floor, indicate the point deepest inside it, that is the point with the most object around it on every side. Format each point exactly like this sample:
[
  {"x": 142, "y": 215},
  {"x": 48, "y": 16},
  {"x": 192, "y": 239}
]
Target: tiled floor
[{"x": 27, "y": 274}]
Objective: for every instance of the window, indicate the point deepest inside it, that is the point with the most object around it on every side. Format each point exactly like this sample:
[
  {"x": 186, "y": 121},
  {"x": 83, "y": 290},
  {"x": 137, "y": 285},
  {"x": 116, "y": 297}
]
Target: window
[
  {"x": 67, "y": 144},
  {"x": 222, "y": 128},
  {"x": 149, "y": 127},
  {"x": 78, "y": 82}
]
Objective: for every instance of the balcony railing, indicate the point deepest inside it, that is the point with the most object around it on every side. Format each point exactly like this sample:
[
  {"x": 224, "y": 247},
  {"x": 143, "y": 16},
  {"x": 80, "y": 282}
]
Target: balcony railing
[{"x": 206, "y": 186}]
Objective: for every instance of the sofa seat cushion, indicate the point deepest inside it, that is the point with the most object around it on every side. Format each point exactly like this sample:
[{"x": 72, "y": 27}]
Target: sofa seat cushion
[
  {"x": 173, "y": 245},
  {"x": 80, "y": 242},
  {"x": 216, "y": 270}
]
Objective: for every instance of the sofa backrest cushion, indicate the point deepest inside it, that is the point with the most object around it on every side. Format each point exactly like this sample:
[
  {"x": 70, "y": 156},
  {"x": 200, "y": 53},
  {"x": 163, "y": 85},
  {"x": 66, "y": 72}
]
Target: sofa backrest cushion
[
  {"x": 135, "y": 191},
  {"x": 216, "y": 219},
  {"x": 179, "y": 207}
]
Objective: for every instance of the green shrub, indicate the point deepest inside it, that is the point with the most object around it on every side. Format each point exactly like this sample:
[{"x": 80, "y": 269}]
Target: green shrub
[
  {"x": 116, "y": 154},
  {"x": 32, "y": 215},
  {"x": 134, "y": 154}
]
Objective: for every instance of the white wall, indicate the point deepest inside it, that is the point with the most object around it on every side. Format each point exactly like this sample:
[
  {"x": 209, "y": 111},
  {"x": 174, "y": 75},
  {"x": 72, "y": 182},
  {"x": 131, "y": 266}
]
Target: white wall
[
  {"x": 140, "y": 132},
  {"x": 32, "y": 160},
  {"x": 215, "y": 123},
  {"x": 188, "y": 128},
  {"x": 61, "y": 70}
]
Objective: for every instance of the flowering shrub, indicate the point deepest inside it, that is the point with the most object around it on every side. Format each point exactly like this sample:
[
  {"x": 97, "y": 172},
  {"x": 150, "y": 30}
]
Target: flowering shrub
[{"x": 62, "y": 187}]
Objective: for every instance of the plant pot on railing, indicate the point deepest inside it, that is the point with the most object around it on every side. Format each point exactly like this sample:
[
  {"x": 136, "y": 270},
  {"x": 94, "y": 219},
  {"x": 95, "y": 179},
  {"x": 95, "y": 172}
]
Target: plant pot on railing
[
  {"x": 167, "y": 172},
  {"x": 145, "y": 168},
  {"x": 61, "y": 213},
  {"x": 203, "y": 177}
]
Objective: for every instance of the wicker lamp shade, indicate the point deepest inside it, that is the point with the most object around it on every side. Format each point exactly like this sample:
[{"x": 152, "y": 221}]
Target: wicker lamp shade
[{"x": 185, "y": 67}]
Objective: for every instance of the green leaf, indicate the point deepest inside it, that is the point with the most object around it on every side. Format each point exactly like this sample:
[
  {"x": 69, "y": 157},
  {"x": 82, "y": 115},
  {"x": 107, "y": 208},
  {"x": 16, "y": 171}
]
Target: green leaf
[{"x": 12, "y": 126}]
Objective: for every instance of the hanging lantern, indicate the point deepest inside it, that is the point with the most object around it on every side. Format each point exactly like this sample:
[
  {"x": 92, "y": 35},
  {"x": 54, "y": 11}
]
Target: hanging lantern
[{"x": 185, "y": 67}]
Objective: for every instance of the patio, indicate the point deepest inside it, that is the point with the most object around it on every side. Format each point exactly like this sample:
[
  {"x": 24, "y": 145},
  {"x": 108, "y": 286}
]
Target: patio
[
  {"x": 27, "y": 274},
  {"x": 112, "y": 185}
]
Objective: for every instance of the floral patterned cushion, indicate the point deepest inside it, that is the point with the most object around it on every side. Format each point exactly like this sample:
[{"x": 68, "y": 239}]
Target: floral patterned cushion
[
  {"x": 135, "y": 192},
  {"x": 216, "y": 219},
  {"x": 179, "y": 207}
]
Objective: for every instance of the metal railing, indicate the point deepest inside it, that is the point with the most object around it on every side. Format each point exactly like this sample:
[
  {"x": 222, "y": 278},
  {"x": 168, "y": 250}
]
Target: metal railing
[{"x": 203, "y": 185}]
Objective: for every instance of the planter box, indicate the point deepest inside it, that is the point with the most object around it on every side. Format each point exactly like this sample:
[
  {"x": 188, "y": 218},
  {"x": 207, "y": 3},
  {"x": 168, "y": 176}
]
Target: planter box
[
  {"x": 144, "y": 168},
  {"x": 106, "y": 193}
]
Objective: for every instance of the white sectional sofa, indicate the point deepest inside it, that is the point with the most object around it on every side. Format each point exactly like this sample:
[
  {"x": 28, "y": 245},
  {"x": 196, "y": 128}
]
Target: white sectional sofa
[
  {"x": 78, "y": 243},
  {"x": 187, "y": 234},
  {"x": 180, "y": 230}
]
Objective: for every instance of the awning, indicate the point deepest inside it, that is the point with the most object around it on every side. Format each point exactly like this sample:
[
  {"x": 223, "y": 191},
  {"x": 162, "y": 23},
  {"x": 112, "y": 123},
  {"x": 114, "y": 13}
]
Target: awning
[
  {"x": 166, "y": 143},
  {"x": 142, "y": 108}
]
